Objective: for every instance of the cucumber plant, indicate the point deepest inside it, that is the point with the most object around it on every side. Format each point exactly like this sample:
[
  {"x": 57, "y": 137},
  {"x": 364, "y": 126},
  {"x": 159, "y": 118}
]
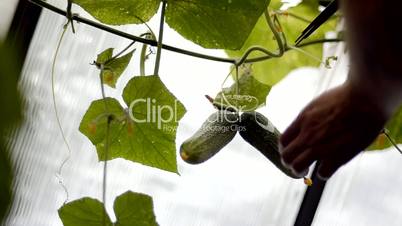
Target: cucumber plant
[{"x": 246, "y": 29}]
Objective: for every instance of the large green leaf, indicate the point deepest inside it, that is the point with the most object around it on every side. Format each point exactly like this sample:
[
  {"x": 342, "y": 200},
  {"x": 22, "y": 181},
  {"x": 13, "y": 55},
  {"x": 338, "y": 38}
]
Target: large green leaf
[
  {"x": 394, "y": 129},
  {"x": 252, "y": 93},
  {"x": 113, "y": 68},
  {"x": 273, "y": 70},
  {"x": 84, "y": 212},
  {"x": 219, "y": 24},
  {"x": 131, "y": 209},
  {"x": 144, "y": 133},
  {"x": 155, "y": 138},
  {"x": 119, "y": 12}
]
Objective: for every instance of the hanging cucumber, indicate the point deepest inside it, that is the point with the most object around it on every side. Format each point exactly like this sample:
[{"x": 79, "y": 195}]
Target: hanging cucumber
[
  {"x": 215, "y": 133},
  {"x": 261, "y": 134}
]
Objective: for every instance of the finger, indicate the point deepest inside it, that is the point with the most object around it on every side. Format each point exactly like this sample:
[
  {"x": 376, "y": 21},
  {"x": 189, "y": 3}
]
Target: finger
[
  {"x": 302, "y": 162},
  {"x": 326, "y": 169},
  {"x": 329, "y": 166},
  {"x": 291, "y": 132},
  {"x": 290, "y": 152}
]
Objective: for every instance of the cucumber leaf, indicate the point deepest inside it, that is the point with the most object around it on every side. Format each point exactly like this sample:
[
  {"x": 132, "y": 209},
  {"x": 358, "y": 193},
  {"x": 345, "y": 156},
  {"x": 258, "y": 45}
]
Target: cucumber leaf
[
  {"x": 219, "y": 24},
  {"x": 134, "y": 209},
  {"x": 84, "y": 212},
  {"x": 154, "y": 128},
  {"x": 113, "y": 68},
  {"x": 252, "y": 93},
  {"x": 120, "y": 12},
  {"x": 143, "y": 133},
  {"x": 131, "y": 209},
  {"x": 273, "y": 70}
]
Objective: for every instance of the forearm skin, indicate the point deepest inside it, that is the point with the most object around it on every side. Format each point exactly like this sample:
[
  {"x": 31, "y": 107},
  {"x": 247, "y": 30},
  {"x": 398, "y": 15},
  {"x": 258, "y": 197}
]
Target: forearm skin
[{"x": 374, "y": 33}]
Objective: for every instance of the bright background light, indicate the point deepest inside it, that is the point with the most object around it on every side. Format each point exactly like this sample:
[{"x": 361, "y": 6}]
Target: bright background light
[{"x": 237, "y": 187}]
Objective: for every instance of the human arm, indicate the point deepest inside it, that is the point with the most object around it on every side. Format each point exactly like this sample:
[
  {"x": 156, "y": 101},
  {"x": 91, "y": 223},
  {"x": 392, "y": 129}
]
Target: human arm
[{"x": 343, "y": 121}]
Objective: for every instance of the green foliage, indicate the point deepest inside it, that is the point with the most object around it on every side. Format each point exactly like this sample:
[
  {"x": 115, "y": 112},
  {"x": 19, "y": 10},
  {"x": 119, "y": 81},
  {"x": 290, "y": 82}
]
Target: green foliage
[
  {"x": 273, "y": 70},
  {"x": 394, "y": 129},
  {"x": 252, "y": 93},
  {"x": 10, "y": 97},
  {"x": 120, "y": 12},
  {"x": 131, "y": 209},
  {"x": 150, "y": 139},
  {"x": 113, "y": 68},
  {"x": 223, "y": 24},
  {"x": 219, "y": 24},
  {"x": 94, "y": 123},
  {"x": 5, "y": 182},
  {"x": 84, "y": 212},
  {"x": 10, "y": 114}
]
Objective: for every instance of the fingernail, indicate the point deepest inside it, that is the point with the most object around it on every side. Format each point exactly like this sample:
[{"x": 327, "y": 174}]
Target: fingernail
[
  {"x": 285, "y": 164},
  {"x": 321, "y": 177},
  {"x": 280, "y": 148},
  {"x": 299, "y": 174}
]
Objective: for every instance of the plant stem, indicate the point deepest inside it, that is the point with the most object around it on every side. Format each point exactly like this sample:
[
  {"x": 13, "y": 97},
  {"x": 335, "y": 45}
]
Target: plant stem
[
  {"x": 104, "y": 183},
  {"x": 119, "y": 54},
  {"x": 104, "y": 180},
  {"x": 63, "y": 135},
  {"x": 160, "y": 39},
  {"x": 262, "y": 49},
  {"x": 166, "y": 47},
  {"x": 143, "y": 58},
  {"x": 275, "y": 32}
]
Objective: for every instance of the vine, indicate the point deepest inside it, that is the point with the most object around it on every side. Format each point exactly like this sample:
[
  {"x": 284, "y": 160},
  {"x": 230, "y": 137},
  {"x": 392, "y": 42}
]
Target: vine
[{"x": 60, "y": 127}]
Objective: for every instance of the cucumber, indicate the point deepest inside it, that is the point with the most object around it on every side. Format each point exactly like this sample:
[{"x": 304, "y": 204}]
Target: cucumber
[
  {"x": 258, "y": 131},
  {"x": 215, "y": 133}
]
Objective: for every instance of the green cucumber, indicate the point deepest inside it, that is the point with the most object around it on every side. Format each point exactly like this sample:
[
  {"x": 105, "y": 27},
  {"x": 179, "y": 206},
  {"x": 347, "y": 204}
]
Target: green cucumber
[
  {"x": 215, "y": 133},
  {"x": 258, "y": 131}
]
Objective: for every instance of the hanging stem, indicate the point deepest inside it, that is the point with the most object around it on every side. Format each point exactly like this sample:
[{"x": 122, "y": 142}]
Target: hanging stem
[
  {"x": 160, "y": 38},
  {"x": 104, "y": 184},
  {"x": 109, "y": 119},
  {"x": 63, "y": 135}
]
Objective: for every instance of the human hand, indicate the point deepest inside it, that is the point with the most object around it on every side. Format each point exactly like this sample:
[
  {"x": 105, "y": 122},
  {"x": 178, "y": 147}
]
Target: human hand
[{"x": 332, "y": 129}]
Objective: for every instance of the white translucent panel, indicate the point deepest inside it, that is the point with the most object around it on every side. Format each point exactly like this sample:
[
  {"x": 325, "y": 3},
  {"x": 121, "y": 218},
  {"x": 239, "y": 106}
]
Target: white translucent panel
[
  {"x": 365, "y": 192},
  {"x": 238, "y": 187},
  {"x": 7, "y": 8}
]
